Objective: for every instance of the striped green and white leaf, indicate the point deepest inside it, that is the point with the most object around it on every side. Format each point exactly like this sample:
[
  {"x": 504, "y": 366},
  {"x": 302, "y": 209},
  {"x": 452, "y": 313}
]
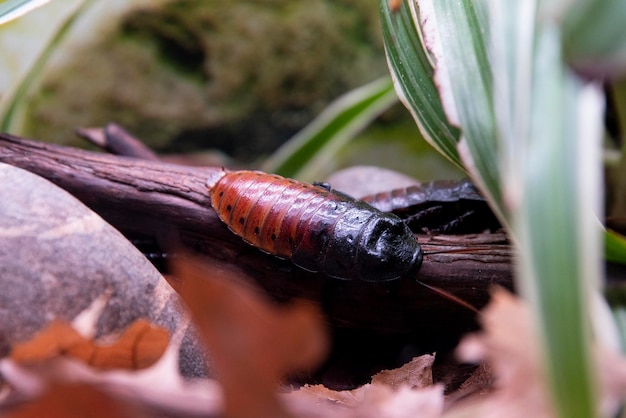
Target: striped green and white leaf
[
  {"x": 556, "y": 220},
  {"x": 26, "y": 45},
  {"x": 457, "y": 33},
  {"x": 12, "y": 9},
  {"x": 531, "y": 138},
  {"x": 411, "y": 67},
  {"x": 35, "y": 30},
  {"x": 444, "y": 76},
  {"x": 304, "y": 156}
]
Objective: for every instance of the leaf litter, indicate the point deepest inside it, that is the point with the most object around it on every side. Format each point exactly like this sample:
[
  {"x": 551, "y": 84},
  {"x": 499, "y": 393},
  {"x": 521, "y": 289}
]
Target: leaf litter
[{"x": 254, "y": 344}]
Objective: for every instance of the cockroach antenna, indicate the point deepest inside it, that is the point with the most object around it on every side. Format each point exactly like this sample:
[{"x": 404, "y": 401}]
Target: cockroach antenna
[{"x": 449, "y": 296}]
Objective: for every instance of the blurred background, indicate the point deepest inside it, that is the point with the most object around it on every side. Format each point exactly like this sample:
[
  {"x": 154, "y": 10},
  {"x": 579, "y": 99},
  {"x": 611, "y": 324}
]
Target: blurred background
[{"x": 223, "y": 83}]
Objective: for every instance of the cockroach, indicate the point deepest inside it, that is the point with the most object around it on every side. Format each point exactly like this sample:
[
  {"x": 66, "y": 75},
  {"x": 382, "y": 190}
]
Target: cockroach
[
  {"x": 447, "y": 207},
  {"x": 318, "y": 229}
]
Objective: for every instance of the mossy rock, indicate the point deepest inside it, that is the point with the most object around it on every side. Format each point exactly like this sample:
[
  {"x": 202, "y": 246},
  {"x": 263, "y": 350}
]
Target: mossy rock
[{"x": 239, "y": 76}]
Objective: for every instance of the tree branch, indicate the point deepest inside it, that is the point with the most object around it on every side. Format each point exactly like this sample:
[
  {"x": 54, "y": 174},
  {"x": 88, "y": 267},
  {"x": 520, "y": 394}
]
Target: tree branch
[{"x": 170, "y": 203}]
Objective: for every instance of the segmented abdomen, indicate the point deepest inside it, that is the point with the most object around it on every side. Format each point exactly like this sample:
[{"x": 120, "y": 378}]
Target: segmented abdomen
[
  {"x": 318, "y": 229},
  {"x": 441, "y": 191},
  {"x": 445, "y": 206}
]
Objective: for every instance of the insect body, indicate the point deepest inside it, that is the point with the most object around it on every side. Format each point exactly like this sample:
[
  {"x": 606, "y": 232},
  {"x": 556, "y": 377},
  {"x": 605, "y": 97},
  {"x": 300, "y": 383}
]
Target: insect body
[
  {"x": 447, "y": 207},
  {"x": 316, "y": 228}
]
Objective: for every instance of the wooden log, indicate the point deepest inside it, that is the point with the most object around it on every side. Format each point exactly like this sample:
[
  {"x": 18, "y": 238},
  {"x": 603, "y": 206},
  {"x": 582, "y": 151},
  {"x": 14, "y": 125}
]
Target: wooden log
[{"x": 170, "y": 203}]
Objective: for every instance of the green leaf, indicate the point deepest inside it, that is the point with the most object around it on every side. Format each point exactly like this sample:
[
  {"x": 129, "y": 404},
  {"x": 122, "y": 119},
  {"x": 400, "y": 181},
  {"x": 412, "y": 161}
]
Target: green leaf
[
  {"x": 616, "y": 172},
  {"x": 556, "y": 220},
  {"x": 12, "y": 9},
  {"x": 595, "y": 37},
  {"x": 549, "y": 127},
  {"x": 413, "y": 75},
  {"x": 305, "y": 154},
  {"x": 615, "y": 247},
  {"x": 619, "y": 313},
  {"x": 13, "y": 103},
  {"x": 530, "y": 128},
  {"x": 618, "y": 94},
  {"x": 458, "y": 35}
]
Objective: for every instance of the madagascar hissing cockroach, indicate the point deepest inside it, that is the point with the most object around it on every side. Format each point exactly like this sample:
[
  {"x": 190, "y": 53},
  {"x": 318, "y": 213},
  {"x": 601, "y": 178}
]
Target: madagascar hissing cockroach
[
  {"x": 446, "y": 207},
  {"x": 318, "y": 229}
]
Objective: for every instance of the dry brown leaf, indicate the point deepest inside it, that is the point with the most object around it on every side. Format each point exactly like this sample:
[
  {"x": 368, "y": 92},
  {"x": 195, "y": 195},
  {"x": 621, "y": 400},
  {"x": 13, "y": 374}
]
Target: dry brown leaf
[
  {"x": 407, "y": 391},
  {"x": 58, "y": 338},
  {"x": 159, "y": 388},
  {"x": 348, "y": 398},
  {"x": 480, "y": 382},
  {"x": 140, "y": 346},
  {"x": 418, "y": 373},
  {"x": 510, "y": 384},
  {"x": 380, "y": 401},
  {"x": 376, "y": 401},
  {"x": 612, "y": 370},
  {"x": 252, "y": 342},
  {"x": 67, "y": 400},
  {"x": 509, "y": 344}
]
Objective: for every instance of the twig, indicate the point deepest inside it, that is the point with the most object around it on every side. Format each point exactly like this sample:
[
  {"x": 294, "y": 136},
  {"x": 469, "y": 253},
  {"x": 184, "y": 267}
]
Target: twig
[{"x": 116, "y": 140}]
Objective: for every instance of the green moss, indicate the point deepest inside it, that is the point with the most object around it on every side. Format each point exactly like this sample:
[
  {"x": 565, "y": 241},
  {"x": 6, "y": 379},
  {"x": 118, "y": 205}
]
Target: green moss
[{"x": 245, "y": 75}]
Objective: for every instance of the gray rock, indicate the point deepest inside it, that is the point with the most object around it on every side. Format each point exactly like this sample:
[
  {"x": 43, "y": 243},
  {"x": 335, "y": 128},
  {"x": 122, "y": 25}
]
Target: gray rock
[
  {"x": 359, "y": 181},
  {"x": 57, "y": 256}
]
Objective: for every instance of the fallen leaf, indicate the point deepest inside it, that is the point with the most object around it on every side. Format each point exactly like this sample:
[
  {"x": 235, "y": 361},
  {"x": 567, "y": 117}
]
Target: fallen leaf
[
  {"x": 407, "y": 391},
  {"x": 66, "y": 400},
  {"x": 375, "y": 401},
  {"x": 480, "y": 382},
  {"x": 418, "y": 373},
  {"x": 348, "y": 398},
  {"x": 159, "y": 388},
  {"x": 58, "y": 338},
  {"x": 138, "y": 347},
  {"x": 253, "y": 342},
  {"x": 510, "y": 345},
  {"x": 381, "y": 401}
]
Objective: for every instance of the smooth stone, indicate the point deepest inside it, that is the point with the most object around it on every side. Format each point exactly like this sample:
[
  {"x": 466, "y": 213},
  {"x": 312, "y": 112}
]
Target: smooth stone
[
  {"x": 57, "y": 256},
  {"x": 361, "y": 180}
]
